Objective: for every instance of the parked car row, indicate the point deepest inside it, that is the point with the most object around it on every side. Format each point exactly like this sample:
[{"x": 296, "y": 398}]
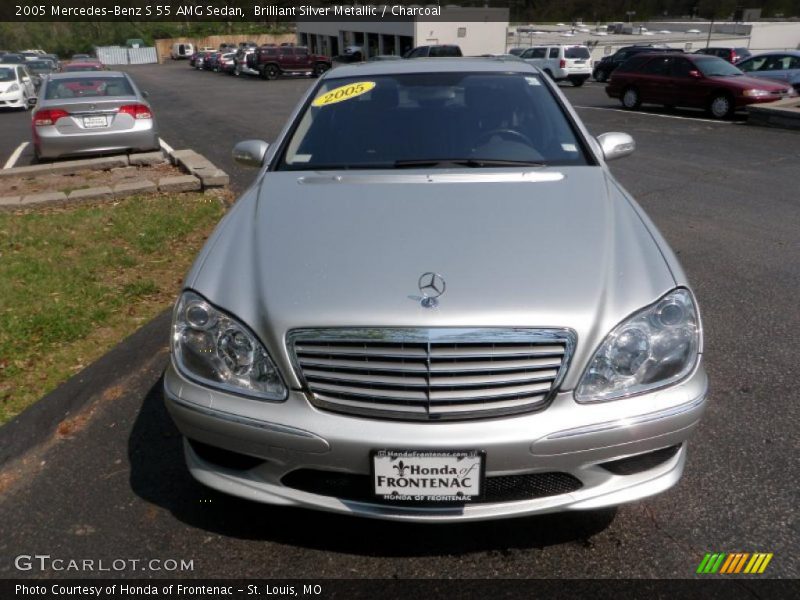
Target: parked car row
[
  {"x": 36, "y": 65},
  {"x": 675, "y": 79},
  {"x": 268, "y": 61},
  {"x": 782, "y": 66}
]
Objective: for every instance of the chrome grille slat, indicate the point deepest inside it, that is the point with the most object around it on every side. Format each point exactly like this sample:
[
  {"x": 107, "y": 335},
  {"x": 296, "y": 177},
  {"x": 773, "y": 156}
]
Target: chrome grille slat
[
  {"x": 452, "y": 408},
  {"x": 491, "y": 350},
  {"x": 437, "y": 373},
  {"x": 434, "y": 380},
  {"x": 410, "y": 352},
  {"x": 444, "y": 366}
]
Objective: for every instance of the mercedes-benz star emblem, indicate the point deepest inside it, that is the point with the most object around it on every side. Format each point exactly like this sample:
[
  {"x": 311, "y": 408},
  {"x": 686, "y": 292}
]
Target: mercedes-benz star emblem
[{"x": 431, "y": 286}]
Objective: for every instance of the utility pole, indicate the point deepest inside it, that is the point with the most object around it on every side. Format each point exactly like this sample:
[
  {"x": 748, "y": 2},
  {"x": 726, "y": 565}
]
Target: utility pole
[{"x": 710, "y": 27}]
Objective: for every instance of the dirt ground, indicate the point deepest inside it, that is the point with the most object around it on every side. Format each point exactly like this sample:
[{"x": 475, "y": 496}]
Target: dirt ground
[{"x": 68, "y": 182}]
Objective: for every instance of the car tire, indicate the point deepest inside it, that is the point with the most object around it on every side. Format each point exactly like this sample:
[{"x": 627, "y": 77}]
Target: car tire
[
  {"x": 577, "y": 81},
  {"x": 721, "y": 106},
  {"x": 271, "y": 72},
  {"x": 630, "y": 98},
  {"x": 319, "y": 69},
  {"x": 600, "y": 76}
]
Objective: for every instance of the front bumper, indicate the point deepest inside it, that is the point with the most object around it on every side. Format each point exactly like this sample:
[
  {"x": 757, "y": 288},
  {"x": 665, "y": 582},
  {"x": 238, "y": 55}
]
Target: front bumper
[
  {"x": 744, "y": 101},
  {"x": 12, "y": 100},
  {"x": 564, "y": 438}
]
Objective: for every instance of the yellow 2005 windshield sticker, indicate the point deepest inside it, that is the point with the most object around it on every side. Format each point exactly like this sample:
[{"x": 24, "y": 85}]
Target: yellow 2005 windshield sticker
[{"x": 345, "y": 92}]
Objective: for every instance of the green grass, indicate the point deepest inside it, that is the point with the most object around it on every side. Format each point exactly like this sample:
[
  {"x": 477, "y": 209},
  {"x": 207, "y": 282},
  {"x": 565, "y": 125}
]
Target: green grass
[{"x": 73, "y": 282}]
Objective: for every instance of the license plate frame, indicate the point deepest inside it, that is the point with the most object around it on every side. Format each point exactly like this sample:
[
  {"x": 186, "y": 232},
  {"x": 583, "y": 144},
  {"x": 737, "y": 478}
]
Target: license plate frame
[
  {"x": 97, "y": 122},
  {"x": 467, "y": 465}
]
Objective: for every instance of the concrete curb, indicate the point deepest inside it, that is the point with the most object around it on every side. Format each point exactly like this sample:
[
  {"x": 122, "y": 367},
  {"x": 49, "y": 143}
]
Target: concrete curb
[
  {"x": 202, "y": 176},
  {"x": 70, "y": 166},
  {"x": 40, "y": 421},
  {"x": 783, "y": 113},
  {"x": 199, "y": 166}
]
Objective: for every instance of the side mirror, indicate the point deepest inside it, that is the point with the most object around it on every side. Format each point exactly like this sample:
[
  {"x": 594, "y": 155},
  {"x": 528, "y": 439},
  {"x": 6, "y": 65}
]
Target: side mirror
[
  {"x": 32, "y": 101},
  {"x": 250, "y": 153},
  {"x": 616, "y": 145},
  {"x": 695, "y": 74}
]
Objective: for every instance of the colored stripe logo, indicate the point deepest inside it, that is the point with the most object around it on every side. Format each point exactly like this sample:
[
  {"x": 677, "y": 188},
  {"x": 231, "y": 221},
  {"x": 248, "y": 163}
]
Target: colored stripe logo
[{"x": 733, "y": 563}]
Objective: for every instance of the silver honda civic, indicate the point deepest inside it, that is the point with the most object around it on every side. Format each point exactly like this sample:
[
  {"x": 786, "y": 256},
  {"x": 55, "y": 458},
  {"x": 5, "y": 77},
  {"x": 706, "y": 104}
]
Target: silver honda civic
[
  {"x": 93, "y": 112},
  {"x": 436, "y": 303}
]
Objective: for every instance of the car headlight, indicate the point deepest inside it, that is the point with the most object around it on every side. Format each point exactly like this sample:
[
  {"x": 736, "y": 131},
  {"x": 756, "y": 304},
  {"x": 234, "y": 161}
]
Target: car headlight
[
  {"x": 213, "y": 348},
  {"x": 14, "y": 87},
  {"x": 656, "y": 347},
  {"x": 756, "y": 93}
]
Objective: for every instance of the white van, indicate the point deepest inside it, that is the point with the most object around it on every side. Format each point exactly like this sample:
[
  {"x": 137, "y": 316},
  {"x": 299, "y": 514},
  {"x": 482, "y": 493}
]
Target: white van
[
  {"x": 181, "y": 50},
  {"x": 573, "y": 63}
]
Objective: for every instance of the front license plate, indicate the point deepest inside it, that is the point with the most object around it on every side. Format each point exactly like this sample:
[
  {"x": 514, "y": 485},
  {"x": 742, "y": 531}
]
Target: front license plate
[
  {"x": 432, "y": 477},
  {"x": 95, "y": 122}
]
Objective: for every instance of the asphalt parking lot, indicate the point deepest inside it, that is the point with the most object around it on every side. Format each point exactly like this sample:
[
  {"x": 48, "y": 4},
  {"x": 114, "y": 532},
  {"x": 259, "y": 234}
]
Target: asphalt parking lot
[{"x": 724, "y": 194}]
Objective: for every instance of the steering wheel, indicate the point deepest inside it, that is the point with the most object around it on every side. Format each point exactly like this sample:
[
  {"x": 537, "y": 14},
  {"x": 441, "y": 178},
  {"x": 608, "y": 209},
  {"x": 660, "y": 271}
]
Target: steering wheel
[{"x": 502, "y": 132}]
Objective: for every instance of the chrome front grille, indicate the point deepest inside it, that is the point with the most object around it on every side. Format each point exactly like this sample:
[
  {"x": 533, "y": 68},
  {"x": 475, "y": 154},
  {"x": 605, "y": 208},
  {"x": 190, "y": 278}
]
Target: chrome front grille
[{"x": 430, "y": 374}]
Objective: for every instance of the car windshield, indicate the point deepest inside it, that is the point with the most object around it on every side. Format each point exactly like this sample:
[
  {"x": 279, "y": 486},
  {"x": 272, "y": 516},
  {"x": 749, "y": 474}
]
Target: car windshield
[
  {"x": 7, "y": 74},
  {"x": 77, "y": 68},
  {"x": 438, "y": 120},
  {"x": 40, "y": 66},
  {"x": 82, "y": 87},
  {"x": 711, "y": 66},
  {"x": 576, "y": 52}
]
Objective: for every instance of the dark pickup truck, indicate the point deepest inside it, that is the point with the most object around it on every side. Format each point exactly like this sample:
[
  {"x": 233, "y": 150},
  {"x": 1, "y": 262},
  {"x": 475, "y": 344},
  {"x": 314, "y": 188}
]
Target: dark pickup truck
[{"x": 272, "y": 61}]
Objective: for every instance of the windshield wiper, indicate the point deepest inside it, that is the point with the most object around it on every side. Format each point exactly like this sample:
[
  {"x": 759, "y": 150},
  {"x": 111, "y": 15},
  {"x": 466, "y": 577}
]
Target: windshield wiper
[{"x": 465, "y": 162}]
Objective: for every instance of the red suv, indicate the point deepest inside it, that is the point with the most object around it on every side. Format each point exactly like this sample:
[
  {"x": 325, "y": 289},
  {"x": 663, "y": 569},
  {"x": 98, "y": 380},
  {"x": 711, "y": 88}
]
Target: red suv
[
  {"x": 732, "y": 55},
  {"x": 272, "y": 61},
  {"x": 690, "y": 80}
]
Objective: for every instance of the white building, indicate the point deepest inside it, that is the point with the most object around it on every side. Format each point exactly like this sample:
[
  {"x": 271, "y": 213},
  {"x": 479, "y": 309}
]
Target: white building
[{"x": 476, "y": 30}]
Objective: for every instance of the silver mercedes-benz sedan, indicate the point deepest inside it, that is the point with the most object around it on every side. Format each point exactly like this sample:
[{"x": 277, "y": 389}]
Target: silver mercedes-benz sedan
[
  {"x": 92, "y": 113},
  {"x": 436, "y": 303}
]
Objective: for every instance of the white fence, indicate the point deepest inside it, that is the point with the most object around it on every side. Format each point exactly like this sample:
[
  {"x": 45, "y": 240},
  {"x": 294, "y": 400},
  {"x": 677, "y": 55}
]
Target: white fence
[{"x": 119, "y": 55}]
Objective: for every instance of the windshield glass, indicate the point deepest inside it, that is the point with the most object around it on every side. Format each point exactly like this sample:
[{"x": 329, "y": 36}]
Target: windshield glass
[
  {"x": 432, "y": 120},
  {"x": 712, "y": 66},
  {"x": 40, "y": 66},
  {"x": 576, "y": 52},
  {"x": 7, "y": 74},
  {"x": 86, "y": 67},
  {"x": 81, "y": 87}
]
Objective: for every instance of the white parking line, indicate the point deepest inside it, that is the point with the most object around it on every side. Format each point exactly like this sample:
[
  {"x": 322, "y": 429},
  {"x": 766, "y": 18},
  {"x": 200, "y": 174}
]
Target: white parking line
[
  {"x": 166, "y": 147},
  {"x": 12, "y": 160},
  {"x": 649, "y": 114}
]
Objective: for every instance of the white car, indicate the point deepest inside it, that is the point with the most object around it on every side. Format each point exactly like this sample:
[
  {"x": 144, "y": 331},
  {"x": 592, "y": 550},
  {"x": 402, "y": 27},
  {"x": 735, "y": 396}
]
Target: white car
[
  {"x": 16, "y": 86},
  {"x": 181, "y": 50},
  {"x": 572, "y": 62}
]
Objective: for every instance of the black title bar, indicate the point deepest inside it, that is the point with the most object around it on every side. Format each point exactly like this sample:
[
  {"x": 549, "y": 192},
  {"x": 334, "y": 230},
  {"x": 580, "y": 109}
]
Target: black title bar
[{"x": 267, "y": 11}]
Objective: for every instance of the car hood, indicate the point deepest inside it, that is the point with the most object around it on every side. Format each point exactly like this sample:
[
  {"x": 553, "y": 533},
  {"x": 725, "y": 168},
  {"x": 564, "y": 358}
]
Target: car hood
[
  {"x": 305, "y": 249},
  {"x": 7, "y": 84},
  {"x": 746, "y": 82}
]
